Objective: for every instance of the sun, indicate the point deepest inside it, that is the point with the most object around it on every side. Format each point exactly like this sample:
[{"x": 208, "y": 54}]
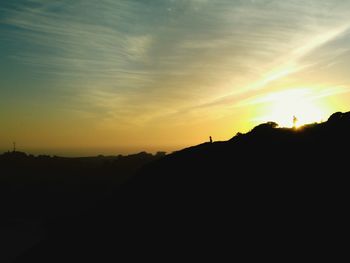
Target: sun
[
  {"x": 305, "y": 112},
  {"x": 293, "y": 108}
]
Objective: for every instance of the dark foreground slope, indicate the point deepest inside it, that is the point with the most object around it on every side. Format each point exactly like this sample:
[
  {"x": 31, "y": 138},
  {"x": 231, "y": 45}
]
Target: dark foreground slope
[
  {"x": 37, "y": 192},
  {"x": 271, "y": 191}
]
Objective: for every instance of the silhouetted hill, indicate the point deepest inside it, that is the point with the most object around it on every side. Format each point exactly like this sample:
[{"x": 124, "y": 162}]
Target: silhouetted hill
[
  {"x": 265, "y": 152},
  {"x": 268, "y": 192}
]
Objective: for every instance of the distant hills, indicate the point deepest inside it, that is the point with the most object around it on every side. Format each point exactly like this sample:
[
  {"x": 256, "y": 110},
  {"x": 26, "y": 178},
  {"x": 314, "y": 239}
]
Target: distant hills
[
  {"x": 267, "y": 191},
  {"x": 37, "y": 192},
  {"x": 32, "y": 184}
]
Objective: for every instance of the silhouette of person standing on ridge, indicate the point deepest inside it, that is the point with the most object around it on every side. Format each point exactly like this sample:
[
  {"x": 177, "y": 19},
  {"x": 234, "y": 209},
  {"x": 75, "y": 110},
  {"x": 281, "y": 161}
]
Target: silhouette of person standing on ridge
[
  {"x": 295, "y": 120},
  {"x": 210, "y": 139}
]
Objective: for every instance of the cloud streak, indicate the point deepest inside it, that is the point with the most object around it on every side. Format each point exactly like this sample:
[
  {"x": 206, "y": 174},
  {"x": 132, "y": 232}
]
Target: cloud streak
[
  {"x": 284, "y": 66},
  {"x": 128, "y": 61}
]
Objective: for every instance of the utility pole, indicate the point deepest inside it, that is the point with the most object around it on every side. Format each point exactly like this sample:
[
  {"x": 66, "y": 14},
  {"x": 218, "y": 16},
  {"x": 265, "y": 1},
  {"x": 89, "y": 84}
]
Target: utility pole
[{"x": 14, "y": 146}]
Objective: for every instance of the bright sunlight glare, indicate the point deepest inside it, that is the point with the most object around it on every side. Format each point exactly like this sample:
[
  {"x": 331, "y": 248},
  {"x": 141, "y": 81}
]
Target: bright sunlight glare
[{"x": 283, "y": 106}]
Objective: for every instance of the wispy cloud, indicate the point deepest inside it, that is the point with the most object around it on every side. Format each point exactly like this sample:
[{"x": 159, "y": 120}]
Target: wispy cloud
[
  {"x": 285, "y": 65},
  {"x": 131, "y": 60},
  {"x": 309, "y": 93}
]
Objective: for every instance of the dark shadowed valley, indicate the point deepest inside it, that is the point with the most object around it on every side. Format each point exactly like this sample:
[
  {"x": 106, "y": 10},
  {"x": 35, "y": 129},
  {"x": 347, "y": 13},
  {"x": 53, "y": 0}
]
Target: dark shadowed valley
[{"x": 38, "y": 190}]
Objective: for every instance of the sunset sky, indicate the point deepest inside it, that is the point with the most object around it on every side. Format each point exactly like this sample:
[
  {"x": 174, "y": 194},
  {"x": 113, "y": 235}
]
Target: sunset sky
[{"x": 90, "y": 77}]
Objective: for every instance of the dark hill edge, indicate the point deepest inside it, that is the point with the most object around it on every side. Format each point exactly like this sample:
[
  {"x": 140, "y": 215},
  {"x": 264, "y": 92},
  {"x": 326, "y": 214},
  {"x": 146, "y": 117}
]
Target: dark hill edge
[
  {"x": 275, "y": 150},
  {"x": 270, "y": 191},
  {"x": 271, "y": 165}
]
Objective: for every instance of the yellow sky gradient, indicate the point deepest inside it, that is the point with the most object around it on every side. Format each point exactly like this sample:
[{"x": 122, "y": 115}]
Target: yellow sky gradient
[{"x": 117, "y": 77}]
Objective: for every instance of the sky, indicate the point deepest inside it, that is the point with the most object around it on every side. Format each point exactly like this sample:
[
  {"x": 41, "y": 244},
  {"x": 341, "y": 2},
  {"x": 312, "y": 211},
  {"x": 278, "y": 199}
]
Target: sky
[{"x": 90, "y": 77}]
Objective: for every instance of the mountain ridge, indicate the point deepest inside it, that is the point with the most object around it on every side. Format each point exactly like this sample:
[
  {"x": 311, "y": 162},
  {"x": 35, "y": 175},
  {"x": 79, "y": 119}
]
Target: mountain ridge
[
  {"x": 271, "y": 191},
  {"x": 267, "y": 139}
]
